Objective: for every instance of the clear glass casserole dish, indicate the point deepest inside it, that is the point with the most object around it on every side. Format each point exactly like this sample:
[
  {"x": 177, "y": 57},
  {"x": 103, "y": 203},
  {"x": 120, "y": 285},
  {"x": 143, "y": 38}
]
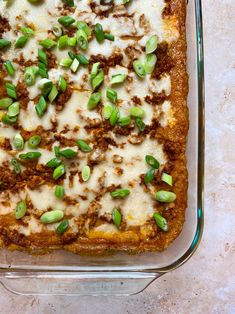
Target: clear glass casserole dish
[{"x": 122, "y": 274}]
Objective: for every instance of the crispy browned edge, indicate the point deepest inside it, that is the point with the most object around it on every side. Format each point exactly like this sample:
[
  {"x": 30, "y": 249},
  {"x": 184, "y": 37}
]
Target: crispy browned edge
[{"x": 130, "y": 241}]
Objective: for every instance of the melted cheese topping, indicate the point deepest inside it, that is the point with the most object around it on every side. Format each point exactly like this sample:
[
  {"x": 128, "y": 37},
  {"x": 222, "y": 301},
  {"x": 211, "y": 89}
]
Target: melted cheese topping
[{"x": 137, "y": 208}]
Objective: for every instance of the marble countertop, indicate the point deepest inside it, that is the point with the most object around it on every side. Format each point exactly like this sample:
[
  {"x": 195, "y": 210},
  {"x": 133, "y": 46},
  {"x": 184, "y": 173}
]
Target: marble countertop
[{"x": 206, "y": 283}]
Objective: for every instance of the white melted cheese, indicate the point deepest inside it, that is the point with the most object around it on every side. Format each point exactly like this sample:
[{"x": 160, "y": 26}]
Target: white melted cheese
[{"x": 137, "y": 208}]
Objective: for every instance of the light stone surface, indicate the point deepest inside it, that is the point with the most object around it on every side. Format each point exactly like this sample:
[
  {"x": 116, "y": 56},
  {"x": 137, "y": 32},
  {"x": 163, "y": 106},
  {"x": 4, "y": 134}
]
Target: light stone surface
[{"x": 205, "y": 284}]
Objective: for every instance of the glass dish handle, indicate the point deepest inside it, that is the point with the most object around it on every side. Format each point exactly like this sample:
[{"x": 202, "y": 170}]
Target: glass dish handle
[{"x": 66, "y": 283}]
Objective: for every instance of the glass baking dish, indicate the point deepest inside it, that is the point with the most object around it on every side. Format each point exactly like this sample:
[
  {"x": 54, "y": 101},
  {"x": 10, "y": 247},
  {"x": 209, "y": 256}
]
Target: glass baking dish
[{"x": 122, "y": 274}]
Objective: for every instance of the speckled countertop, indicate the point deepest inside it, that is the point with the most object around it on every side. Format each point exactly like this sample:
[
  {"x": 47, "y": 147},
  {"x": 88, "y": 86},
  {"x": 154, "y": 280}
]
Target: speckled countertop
[{"x": 206, "y": 284}]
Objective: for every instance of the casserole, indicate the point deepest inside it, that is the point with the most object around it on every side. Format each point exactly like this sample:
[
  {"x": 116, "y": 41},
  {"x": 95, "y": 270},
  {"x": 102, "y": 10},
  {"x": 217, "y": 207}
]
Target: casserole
[{"x": 125, "y": 274}]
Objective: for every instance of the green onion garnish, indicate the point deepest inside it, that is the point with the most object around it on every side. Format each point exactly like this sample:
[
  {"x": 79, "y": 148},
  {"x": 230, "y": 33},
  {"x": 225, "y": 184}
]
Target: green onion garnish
[
  {"x": 161, "y": 221},
  {"x": 21, "y": 41},
  {"x": 34, "y": 141},
  {"x": 109, "y": 37},
  {"x": 4, "y": 43},
  {"x": 75, "y": 65},
  {"x": 5, "y": 102},
  {"x": 58, "y": 172},
  {"x": 72, "y": 42},
  {"x": 140, "y": 124},
  {"x": 167, "y": 178},
  {"x": 139, "y": 68},
  {"x": 111, "y": 94},
  {"x": 152, "y": 162},
  {"x": 66, "y": 62},
  {"x": 97, "y": 80},
  {"x": 27, "y": 31},
  {"x": 59, "y": 191},
  {"x": 120, "y": 193},
  {"x": 84, "y": 147},
  {"x": 151, "y": 44},
  {"x": 62, "y": 84},
  {"x": 149, "y": 175},
  {"x": 14, "y": 109},
  {"x": 165, "y": 196},
  {"x": 16, "y": 165},
  {"x": 52, "y": 216},
  {"x": 62, "y": 227},
  {"x": 63, "y": 42},
  {"x": 86, "y": 172},
  {"x": 68, "y": 153},
  {"x": 9, "y": 67},
  {"x": 99, "y": 33},
  {"x": 53, "y": 94},
  {"x": 137, "y": 112},
  {"x": 150, "y": 63},
  {"x": 93, "y": 101},
  {"x": 117, "y": 217},
  {"x": 83, "y": 25},
  {"x": 107, "y": 111},
  {"x": 82, "y": 40},
  {"x": 30, "y": 155},
  {"x": 114, "y": 116},
  {"x": 66, "y": 20},
  {"x": 30, "y": 75},
  {"x": 47, "y": 43},
  {"x": 57, "y": 31},
  {"x": 124, "y": 121},
  {"x": 18, "y": 142},
  {"x": 20, "y": 210},
  {"x": 11, "y": 90},
  {"x": 117, "y": 79},
  {"x": 41, "y": 106},
  {"x": 54, "y": 163}
]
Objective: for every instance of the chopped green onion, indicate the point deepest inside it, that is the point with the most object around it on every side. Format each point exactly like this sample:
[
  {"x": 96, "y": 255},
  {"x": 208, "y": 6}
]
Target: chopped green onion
[
  {"x": 30, "y": 75},
  {"x": 86, "y": 172},
  {"x": 167, "y": 178},
  {"x": 18, "y": 142},
  {"x": 62, "y": 84},
  {"x": 82, "y": 59},
  {"x": 117, "y": 217},
  {"x": 47, "y": 43},
  {"x": 114, "y": 116},
  {"x": 66, "y": 62},
  {"x": 109, "y": 37},
  {"x": 11, "y": 90},
  {"x": 66, "y": 20},
  {"x": 83, "y": 25},
  {"x": 117, "y": 79},
  {"x": 120, "y": 193},
  {"x": 46, "y": 86},
  {"x": 84, "y": 146},
  {"x": 68, "y": 153},
  {"x": 4, "y": 43},
  {"x": 21, "y": 41},
  {"x": 27, "y": 31},
  {"x": 140, "y": 124},
  {"x": 58, "y": 172},
  {"x": 137, "y": 112},
  {"x": 54, "y": 163},
  {"x": 41, "y": 106},
  {"x": 62, "y": 227},
  {"x": 5, "y": 102},
  {"x": 52, "y": 216},
  {"x": 59, "y": 191},
  {"x": 34, "y": 141},
  {"x": 94, "y": 70},
  {"x": 150, "y": 63},
  {"x": 161, "y": 221},
  {"x": 75, "y": 65},
  {"x": 63, "y": 42},
  {"x": 8, "y": 120},
  {"x": 14, "y": 109},
  {"x": 57, "y": 31},
  {"x": 139, "y": 68},
  {"x": 93, "y": 101},
  {"x": 20, "y": 210},
  {"x": 72, "y": 41},
  {"x": 9, "y": 67},
  {"x": 99, "y": 33},
  {"x": 152, "y": 162},
  {"x": 165, "y": 196},
  {"x": 151, "y": 44},
  {"x": 107, "y": 111},
  {"x": 124, "y": 121},
  {"x": 97, "y": 80},
  {"x": 42, "y": 56},
  {"x": 111, "y": 94},
  {"x": 42, "y": 70},
  {"x": 82, "y": 40},
  {"x": 149, "y": 175},
  {"x": 16, "y": 165},
  {"x": 53, "y": 94},
  {"x": 30, "y": 155}
]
